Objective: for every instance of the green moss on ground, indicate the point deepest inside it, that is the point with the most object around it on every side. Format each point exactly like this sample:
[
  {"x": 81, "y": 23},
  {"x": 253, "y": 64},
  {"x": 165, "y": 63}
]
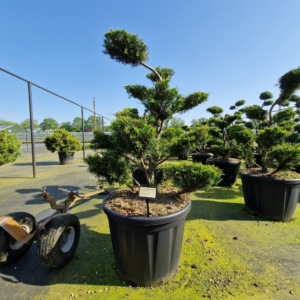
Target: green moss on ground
[{"x": 236, "y": 255}]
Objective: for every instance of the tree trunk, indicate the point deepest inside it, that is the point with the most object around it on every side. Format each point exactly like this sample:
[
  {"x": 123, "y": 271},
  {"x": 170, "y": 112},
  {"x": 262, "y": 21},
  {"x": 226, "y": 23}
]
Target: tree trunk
[{"x": 159, "y": 126}]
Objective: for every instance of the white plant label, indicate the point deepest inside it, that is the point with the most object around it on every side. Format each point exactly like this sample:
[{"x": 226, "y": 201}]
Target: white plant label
[{"x": 147, "y": 192}]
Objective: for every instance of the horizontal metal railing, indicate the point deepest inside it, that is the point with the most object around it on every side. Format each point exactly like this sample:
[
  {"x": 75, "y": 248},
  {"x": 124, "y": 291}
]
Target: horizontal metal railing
[{"x": 31, "y": 114}]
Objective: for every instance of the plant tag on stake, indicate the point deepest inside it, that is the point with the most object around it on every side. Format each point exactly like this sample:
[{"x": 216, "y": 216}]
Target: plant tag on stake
[{"x": 147, "y": 193}]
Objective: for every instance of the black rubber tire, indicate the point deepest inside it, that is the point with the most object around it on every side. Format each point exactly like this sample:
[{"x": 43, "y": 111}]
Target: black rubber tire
[
  {"x": 49, "y": 248},
  {"x": 7, "y": 254}
]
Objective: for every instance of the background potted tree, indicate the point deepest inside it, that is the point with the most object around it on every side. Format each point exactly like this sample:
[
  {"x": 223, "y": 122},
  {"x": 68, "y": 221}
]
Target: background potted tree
[
  {"x": 147, "y": 239},
  {"x": 225, "y": 147},
  {"x": 64, "y": 143},
  {"x": 202, "y": 151},
  {"x": 272, "y": 191},
  {"x": 185, "y": 154}
]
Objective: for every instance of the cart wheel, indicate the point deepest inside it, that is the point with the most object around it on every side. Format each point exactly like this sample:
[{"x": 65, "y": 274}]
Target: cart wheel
[
  {"x": 10, "y": 249},
  {"x": 59, "y": 240}
]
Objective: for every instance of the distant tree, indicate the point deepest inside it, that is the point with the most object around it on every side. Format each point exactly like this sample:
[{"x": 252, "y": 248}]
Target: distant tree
[
  {"x": 67, "y": 126},
  {"x": 199, "y": 121},
  {"x": 77, "y": 124},
  {"x": 49, "y": 123},
  {"x": 176, "y": 122},
  {"x": 4, "y": 122},
  {"x": 89, "y": 123},
  {"x": 26, "y": 124},
  {"x": 88, "y": 130}
]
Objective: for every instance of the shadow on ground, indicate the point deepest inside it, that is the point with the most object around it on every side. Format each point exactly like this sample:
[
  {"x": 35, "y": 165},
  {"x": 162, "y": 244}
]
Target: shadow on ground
[
  {"x": 88, "y": 259},
  {"x": 59, "y": 192}
]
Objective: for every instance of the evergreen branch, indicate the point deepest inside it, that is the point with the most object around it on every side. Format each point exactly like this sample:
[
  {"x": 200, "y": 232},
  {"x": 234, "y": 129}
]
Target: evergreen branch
[{"x": 153, "y": 70}]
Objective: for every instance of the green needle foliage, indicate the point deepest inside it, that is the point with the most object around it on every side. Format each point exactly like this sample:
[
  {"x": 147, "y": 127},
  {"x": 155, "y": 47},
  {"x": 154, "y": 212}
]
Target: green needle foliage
[
  {"x": 62, "y": 141},
  {"x": 192, "y": 177},
  {"x": 280, "y": 127},
  {"x": 9, "y": 148},
  {"x": 230, "y": 140},
  {"x": 138, "y": 141},
  {"x": 283, "y": 158}
]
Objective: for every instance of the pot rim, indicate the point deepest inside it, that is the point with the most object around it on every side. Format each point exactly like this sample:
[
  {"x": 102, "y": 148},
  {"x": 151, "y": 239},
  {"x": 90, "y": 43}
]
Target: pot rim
[
  {"x": 265, "y": 179},
  {"x": 224, "y": 162},
  {"x": 145, "y": 221}
]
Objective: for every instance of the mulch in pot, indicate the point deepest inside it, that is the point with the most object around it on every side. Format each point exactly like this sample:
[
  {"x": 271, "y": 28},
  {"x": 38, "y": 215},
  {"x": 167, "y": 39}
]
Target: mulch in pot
[{"x": 126, "y": 201}]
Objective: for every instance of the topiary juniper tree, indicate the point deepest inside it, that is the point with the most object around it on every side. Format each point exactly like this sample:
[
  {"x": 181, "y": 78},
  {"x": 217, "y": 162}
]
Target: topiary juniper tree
[
  {"x": 271, "y": 140},
  {"x": 233, "y": 138},
  {"x": 138, "y": 140}
]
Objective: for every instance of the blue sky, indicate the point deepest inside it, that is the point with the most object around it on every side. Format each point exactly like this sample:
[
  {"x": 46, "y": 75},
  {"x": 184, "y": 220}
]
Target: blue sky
[{"x": 231, "y": 49}]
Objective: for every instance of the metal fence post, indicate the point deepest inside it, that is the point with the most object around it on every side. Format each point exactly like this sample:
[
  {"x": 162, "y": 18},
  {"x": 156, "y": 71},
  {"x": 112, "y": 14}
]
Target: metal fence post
[
  {"x": 32, "y": 130},
  {"x": 82, "y": 123}
]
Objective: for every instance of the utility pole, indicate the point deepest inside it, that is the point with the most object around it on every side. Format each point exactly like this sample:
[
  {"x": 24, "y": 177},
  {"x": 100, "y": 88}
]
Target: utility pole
[{"x": 95, "y": 126}]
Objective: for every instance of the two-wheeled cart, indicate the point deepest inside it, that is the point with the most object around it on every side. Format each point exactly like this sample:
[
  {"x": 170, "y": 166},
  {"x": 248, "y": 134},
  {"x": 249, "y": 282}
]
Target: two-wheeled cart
[{"x": 57, "y": 236}]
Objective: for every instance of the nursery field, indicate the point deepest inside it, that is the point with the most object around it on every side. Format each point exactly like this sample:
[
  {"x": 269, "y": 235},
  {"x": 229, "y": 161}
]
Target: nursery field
[{"x": 226, "y": 254}]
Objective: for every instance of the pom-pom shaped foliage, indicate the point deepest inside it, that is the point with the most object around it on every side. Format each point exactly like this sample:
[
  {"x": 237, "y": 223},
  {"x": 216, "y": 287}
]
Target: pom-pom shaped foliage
[
  {"x": 283, "y": 115},
  {"x": 294, "y": 98},
  {"x": 138, "y": 142},
  {"x": 265, "y": 96},
  {"x": 255, "y": 112},
  {"x": 125, "y": 47},
  {"x": 193, "y": 177},
  {"x": 289, "y": 83},
  {"x": 249, "y": 125},
  {"x": 287, "y": 125},
  {"x": 268, "y": 102},
  {"x": 215, "y": 110},
  {"x": 9, "y": 148},
  {"x": 232, "y": 107},
  {"x": 270, "y": 137},
  {"x": 240, "y": 103},
  {"x": 283, "y": 158},
  {"x": 62, "y": 141}
]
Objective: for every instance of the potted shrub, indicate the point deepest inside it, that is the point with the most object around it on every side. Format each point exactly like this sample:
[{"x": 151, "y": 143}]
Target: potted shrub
[
  {"x": 202, "y": 151},
  {"x": 64, "y": 143},
  {"x": 147, "y": 239},
  {"x": 272, "y": 191},
  {"x": 226, "y": 145},
  {"x": 9, "y": 148}
]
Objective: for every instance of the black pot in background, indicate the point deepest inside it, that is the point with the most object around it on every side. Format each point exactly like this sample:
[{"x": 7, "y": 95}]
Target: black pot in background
[
  {"x": 271, "y": 199},
  {"x": 183, "y": 156},
  {"x": 257, "y": 158},
  {"x": 147, "y": 250},
  {"x": 66, "y": 158},
  {"x": 296, "y": 169},
  {"x": 201, "y": 157},
  {"x": 140, "y": 176},
  {"x": 230, "y": 170}
]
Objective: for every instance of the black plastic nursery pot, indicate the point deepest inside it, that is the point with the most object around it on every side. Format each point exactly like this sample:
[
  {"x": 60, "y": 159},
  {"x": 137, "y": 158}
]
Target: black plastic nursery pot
[
  {"x": 230, "y": 170},
  {"x": 297, "y": 169},
  {"x": 201, "y": 157},
  {"x": 257, "y": 158},
  {"x": 183, "y": 156},
  {"x": 147, "y": 250},
  {"x": 139, "y": 176},
  {"x": 66, "y": 158},
  {"x": 271, "y": 199}
]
